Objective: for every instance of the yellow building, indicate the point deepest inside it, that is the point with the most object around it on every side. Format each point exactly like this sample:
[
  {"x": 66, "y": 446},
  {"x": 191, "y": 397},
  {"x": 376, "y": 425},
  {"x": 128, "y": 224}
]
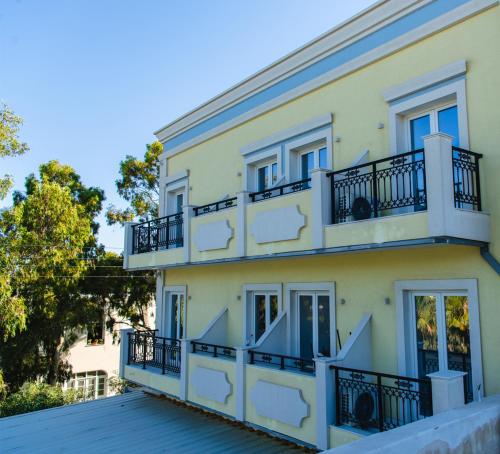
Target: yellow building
[{"x": 328, "y": 233}]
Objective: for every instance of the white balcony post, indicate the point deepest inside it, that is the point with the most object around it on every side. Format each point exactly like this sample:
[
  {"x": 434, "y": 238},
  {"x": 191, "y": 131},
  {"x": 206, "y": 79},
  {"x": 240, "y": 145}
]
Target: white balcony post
[
  {"x": 447, "y": 390},
  {"x": 124, "y": 349},
  {"x": 127, "y": 242},
  {"x": 439, "y": 182},
  {"x": 241, "y": 362},
  {"x": 183, "y": 391},
  {"x": 321, "y": 206},
  {"x": 187, "y": 214},
  {"x": 324, "y": 402},
  {"x": 241, "y": 223}
]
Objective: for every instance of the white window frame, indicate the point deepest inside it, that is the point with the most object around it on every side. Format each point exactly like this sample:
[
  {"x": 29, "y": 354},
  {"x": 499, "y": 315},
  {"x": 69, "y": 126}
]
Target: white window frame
[
  {"x": 92, "y": 374},
  {"x": 166, "y": 310},
  {"x": 249, "y": 292},
  {"x": 405, "y": 323},
  {"x": 310, "y": 142},
  {"x": 432, "y": 111},
  {"x": 269, "y": 164},
  {"x": 257, "y": 160},
  {"x": 453, "y": 93},
  {"x": 292, "y": 290}
]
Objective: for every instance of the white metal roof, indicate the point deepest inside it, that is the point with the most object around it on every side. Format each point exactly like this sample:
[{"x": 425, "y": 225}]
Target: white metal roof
[{"x": 133, "y": 422}]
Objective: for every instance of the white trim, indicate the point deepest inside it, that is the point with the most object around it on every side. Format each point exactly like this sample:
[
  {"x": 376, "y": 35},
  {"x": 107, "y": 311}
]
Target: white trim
[
  {"x": 469, "y": 286},
  {"x": 440, "y": 23},
  {"x": 419, "y": 83},
  {"x": 399, "y": 111},
  {"x": 256, "y": 160},
  {"x": 248, "y": 308},
  {"x": 295, "y": 288},
  {"x": 169, "y": 179},
  {"x": 281, "y": 136}
]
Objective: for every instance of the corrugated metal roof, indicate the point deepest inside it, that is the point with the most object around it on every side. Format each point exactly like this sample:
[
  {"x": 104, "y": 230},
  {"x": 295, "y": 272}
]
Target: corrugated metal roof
[{"x": 131, "y": 422}]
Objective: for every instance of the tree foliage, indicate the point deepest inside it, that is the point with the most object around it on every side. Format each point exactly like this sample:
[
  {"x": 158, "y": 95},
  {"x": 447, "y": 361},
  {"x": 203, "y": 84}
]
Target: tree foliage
[
  {"x": 139, "y": 186},
  {"x": 36, "y": 396},
  {"x": 10, "y": 145}
]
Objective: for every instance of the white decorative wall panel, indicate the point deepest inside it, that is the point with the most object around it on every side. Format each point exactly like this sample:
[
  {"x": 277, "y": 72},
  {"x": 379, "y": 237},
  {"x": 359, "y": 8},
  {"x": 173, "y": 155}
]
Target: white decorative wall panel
[
  {"x": 211, "y": 384},
  {"x": 214, "y": 235},
  {"x": 280, "y": 403},
  {"x": 278, "y": 225}
]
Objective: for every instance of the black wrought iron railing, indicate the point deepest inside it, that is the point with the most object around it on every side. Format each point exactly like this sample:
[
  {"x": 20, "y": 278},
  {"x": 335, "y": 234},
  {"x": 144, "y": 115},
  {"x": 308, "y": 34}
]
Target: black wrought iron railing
[
  {"x": 215, "y": 206},
  {"x": 158, "y": 234},
  {"x": 214, "y": 350},
  {"x": 428, "y": 362},
  {"x": 282, "y": 362},
  {"x": 466, "y": 181},
  {"x": 377, "y": 402},
  {"x": 147, "y": 349},
  {"x": 277, "y": 191},
  {"x": 379, "y": 188}
]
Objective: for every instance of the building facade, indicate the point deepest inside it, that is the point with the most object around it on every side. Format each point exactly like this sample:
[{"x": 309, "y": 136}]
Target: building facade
[{"x": 328, "y": 235}]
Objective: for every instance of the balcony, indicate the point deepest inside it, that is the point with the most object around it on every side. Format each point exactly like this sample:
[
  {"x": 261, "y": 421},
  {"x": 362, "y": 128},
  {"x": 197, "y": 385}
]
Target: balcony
[{"x": 418, "y": 197}]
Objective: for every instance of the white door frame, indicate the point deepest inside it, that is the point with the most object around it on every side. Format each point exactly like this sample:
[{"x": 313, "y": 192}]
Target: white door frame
[
  {"x": 406, "y": 331},
  {"x": 166, "y": 310},
  {"x": 291, "y": 302}
]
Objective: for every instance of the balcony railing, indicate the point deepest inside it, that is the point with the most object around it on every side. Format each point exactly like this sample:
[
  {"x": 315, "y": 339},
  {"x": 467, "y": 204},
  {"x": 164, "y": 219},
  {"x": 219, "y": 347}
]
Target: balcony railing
[
  {"x": 282, "y": 362},
  {"x": 466, "y": 182},
  {"x": 149, "y": 350},
  {"x": 379, "y": 188},
  {"x": 214, "y": 350},
  {"x": 215, "y": 206},
  {"x": 280, "y": 190},
  {"x": 158, "y": 234},
  {"x": 379, "y": 402}
]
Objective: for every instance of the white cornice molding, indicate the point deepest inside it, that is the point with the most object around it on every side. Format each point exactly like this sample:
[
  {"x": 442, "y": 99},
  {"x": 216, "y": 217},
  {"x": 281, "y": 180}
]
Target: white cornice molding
[
  {"x": 175, "y": 177},
  {"x": 318, "y": 122},
  {"x": 219, "y": 103},
  {"x": 427, "y": 80}
]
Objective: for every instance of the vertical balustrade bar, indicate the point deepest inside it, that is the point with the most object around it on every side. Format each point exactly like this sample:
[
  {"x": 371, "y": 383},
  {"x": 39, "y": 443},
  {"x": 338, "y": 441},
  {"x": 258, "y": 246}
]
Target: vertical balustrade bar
[
  {"x": 144, "y": 352},
  {"x": 282, "y": 363},
  {"x": 129, "y": 337},
  {"x": 374, "y": 191},
  {"x": 478, "y": 183},
  {"x": 332, "y": 190},
  {"x": 380, "y": 404},
  {"x": 163, "y": 357},
  {"x": 215, "y": 351},
  {"x": 338, "y": 422}
]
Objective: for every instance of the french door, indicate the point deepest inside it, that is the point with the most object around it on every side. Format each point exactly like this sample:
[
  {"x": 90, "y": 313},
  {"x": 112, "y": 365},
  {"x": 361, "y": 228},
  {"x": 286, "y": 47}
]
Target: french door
[
  {"x": 313, "y": 324},
  {"x": 442, "y": 334},
  {"x": 175, "y": 315}
]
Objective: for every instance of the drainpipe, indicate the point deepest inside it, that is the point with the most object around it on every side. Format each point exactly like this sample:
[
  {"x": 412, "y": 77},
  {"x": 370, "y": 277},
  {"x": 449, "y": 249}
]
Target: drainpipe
[{"x": 488, "y": 256}]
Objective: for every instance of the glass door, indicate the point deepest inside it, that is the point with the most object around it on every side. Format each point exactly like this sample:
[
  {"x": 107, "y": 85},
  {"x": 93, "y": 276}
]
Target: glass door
[
  {"x": 176, "y": 315},
  {"x": 314, "y": 324},
  {"x": 442, "y": 335}
]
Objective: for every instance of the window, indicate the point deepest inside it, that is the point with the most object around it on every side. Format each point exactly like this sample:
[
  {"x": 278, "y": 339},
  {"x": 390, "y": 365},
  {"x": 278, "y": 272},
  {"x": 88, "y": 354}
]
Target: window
[
  {"x": 92, "y": 384},
  {"x": 312, "y": 159},
  {"x": 96, "y": 332},
  {"x": 176, "y": 315},
  {"x": 267, "y": 176},
  {"x": 265, "y": 312},
  {"x": 442, "y": 119}
]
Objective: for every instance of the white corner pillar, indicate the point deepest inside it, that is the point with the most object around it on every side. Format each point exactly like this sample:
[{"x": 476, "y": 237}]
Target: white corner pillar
[
  {"x": 447, "y": 390},
  {"x": 324, "y": 402},
  {"x": 187, "y": 215},
  {"x": 439, "y": 182},
  {"x": 321, "y": 206},
  {"x": 159, "y": 324},
  {"x": 128, "y": 242},
  {"x": 183, "y": 391},
  {"x": 241, "y": 362},
  {"x": 241, "y": 223},
  {"x": 124, "y": 346}
]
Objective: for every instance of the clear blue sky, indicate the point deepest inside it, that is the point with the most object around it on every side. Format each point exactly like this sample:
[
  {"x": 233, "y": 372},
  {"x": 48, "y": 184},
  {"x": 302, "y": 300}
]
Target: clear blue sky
[{"x": 94, "y": 78}]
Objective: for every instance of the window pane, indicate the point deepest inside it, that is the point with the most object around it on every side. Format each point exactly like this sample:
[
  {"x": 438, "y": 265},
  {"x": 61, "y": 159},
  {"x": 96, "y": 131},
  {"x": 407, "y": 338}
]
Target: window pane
[
  {"x": 307, "y": 161},
  {"x": 426, "y": 330},
  {"x": 324, "y": 325},
  {"x": 274, "y": 171},
  {"x": 419, "y": 127},
  {"x": 260, "y": 316},
  {"x": 322, "y": 158},
  {"x": 273, "y": 303},
  {"x": 263, "y": 178},
  {"x": 448, "y": 123},
  {"x": 458, "y": 338},
  {"x": 173, "y": 316},
  {"x": 181, "y": 316},
  {"x": 179, "y": 202},
  {"x": 306, "y": 326}
]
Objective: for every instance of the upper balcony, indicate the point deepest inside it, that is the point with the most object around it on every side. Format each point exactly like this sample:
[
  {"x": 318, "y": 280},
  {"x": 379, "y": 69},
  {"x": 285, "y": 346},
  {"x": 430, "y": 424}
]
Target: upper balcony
[{"x": 419, "y": 197}]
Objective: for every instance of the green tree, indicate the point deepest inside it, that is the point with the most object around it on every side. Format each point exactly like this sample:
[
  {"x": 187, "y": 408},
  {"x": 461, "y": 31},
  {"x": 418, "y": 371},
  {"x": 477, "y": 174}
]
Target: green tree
[
  {"x": 139, "y": 186},
  {"x": 9, "y": 142}
]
